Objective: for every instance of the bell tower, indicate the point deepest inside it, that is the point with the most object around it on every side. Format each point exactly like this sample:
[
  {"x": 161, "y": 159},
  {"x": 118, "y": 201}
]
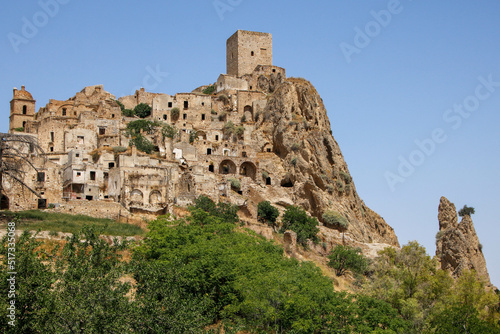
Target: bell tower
[{"x": 22, "y": 109}]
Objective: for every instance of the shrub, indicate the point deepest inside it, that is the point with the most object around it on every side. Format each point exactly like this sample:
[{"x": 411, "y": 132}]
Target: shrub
[
  {"x": 340, "y": 186},
  {"x": 235, "y": 184},
  {"x": 143, "y": 144},
  {"x": 122, "y": 107},
  {"x": 169, "y": 131},
  {"x": 265, "y": 174},
  {"x": 224, "y": 98},
  {"x": 295, "y": 147},
  {"x": 142, "y": 110},
  {"x": 128, "y": 113},
  {"x": 213, "y": 112},
  {"x": 193, "y": 135},
  {"x": 239, "y": 131},
  {"x": 222, "y": 117},
  {"x": 174, "y": 113},
  {"x": 346, "y": 177},
  {"x": 267, "y": 213},
  {"x": 119, "y": 149},
  {"x": 297, "y": 220},
  {"x": 336, "y": 220},
  {"x": 228, "y": 129},
  {"x": 209, "y": 90},
  {"x": 466, "y": 211},
  {"x": 294, "y": 161},
  {"x": 344, "y": 258},
  {"x": 135, "y": 127},
  {"x": 19, "y": 129},
  {"x": 243, "y": 119},
  {"x": 222, "y": 210},
  {"x": 330, "y": 188}
]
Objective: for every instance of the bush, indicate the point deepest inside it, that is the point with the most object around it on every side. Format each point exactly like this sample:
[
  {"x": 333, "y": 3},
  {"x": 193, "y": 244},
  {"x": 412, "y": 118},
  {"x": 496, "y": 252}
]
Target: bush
[
  {"x": 346, "y": 177},
  {"x": 293, "y": 161},
  {"x": 295, "y": 147},
  {"x": 135, "y": 127},
  {"x": 169, "y": 131},
  {"x": 142, "y": 110},
  {"x": 340, "y": 186},
  {"x": 213, "y": 112},
  {"x": 128, "y": 113},
  {"x": 267, "y": 213},
  {"x": 243, "y": 119},
  {"x": 228, "y": 128},
  {"x": 193, "y": 135},
  {"x": 222, "y": 116},
  {"x": 335, "y": 220},
  {"x": 239, "y": 131},
  {"x": 225, "y": 211},
  {"x": 143, "y": 144},
  {"x": 174, "y": 113},
  {"x": 297, "y": 220},
  {"x": 344, "y": 258},
  {"x": 224, "y": 99},
  {"x": 122, "y": 107},
  {"x": 19, "y": 129},
  {"x": 119, "y": 149},
  {"x": 209, "y": 90},
  {"x": 466, "y": 211},
  {"x": 235, "y": 183}
]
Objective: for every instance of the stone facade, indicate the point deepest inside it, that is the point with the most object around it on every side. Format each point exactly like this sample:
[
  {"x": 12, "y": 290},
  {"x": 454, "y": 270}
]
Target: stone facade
[
  {"x": 246, "y": 50},
  {"x": 260, "y": 136}
]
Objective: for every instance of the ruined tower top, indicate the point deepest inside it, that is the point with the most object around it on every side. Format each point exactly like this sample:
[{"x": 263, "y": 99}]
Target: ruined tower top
[{"x": 247, "y": 49}]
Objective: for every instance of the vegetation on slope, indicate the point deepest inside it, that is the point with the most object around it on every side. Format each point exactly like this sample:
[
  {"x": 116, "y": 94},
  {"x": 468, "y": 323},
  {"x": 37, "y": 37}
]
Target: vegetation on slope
[{"x": 205, "y": 271}]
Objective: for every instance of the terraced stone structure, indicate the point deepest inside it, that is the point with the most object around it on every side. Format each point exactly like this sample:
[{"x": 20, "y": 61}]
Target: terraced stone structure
[{"x": 257, "y": 136}]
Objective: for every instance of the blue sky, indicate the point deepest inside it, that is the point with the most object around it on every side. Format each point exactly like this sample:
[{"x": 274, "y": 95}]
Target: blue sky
[{"x": 391, "y": 73}]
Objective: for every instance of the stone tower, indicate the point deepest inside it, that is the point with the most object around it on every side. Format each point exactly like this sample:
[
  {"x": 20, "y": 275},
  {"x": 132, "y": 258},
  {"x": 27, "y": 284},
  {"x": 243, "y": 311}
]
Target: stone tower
[
  {"x": 22, "y": 109},
  {"x": 247, "y": 49}
]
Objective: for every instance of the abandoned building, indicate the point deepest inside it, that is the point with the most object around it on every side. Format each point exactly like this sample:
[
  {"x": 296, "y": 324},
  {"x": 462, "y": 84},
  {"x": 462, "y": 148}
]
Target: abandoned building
[{"x": 89, "y": 156}]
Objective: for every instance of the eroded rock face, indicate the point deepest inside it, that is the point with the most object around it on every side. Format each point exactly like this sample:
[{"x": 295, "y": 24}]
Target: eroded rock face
[
  {"x": 457, "y": 245},
  {"x": 314, "y": 173}
]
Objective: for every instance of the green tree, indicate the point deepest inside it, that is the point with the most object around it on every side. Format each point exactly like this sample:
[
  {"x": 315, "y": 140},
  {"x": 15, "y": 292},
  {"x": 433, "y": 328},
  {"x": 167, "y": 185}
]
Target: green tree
[
  {"x": 225, "y": 211},
  {"x": 142, "y": 110},
  {"x": 209, "y": 90},
  {"x": 297, "y": 220},
  {"x": 343, "y": 258},
  {"x": 267, "y": 213},
  {"x": 466, "y": 211},
  {"x": 169, "y": 131}
]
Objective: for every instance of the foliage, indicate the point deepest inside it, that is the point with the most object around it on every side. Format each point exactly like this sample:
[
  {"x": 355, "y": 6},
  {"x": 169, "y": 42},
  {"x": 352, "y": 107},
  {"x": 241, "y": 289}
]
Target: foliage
[
  {"x": 239, "y": 131},
  {"x": 122, "y": 107},
  {"x": 466, "y": 211},
  {"x": 135, "y": 127},
  {"x": 142, "y": 110},
  {"x": 169, "y": 131},
  {"x": 267, "y": 213},
  {"x": 174, "y": 113},
  {"x": 209, "y": 90},
  {"x": 293, "y": 161},
  {"x": 222, "y": 116},
  {"x": 235, "y": 183},
  {"x": 224, "y": 211},
  {"x": 344, "y": 258},
  {"x": 193, "y": 135},
  {"x": 143, "y": 144},
  {"x": 119, "y": 149},
  {"x": 295, "y": 147},
  {"x": 228, "y": 129},
  {"x": 244, "y": 281},
  {"x": 223, "y": 98},
  {"x": 345, "y": 177},
  {"x": 297, "y": 220},
  {"x": 243, "y": 119},
  {"x": 128, "y": 113},
  {"x": 335, "y": 220},
  {"x": 19, "y": 129},
  {"x": 67, "y": 223}
]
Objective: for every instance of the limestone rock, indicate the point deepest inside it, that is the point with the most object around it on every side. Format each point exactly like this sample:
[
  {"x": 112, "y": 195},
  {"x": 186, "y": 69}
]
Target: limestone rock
[
  {"x": 458, "y": 246},
  {"x": 296, "y": 123}
]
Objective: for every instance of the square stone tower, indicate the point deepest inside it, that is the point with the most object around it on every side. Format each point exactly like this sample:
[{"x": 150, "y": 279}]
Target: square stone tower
[{"x": 247, "y": 49}]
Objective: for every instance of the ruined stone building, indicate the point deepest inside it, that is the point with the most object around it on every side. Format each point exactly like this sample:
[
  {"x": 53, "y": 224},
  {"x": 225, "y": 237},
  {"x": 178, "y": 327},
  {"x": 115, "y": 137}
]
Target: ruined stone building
[{"x": 253, "y": 135}]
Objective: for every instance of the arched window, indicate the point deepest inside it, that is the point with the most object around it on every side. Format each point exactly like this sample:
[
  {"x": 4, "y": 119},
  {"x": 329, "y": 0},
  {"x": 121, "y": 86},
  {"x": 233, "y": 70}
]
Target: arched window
[{"x": 25, "y": 110}]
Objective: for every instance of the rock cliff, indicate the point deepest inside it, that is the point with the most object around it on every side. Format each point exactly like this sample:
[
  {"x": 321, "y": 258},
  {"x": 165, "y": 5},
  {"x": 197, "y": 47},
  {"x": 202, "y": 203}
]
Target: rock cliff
[
  {"x": 313, "y": 168},
  {"x": 457, "y": 244}
]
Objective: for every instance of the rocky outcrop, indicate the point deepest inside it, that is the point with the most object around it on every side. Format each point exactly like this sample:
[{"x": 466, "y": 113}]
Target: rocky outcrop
[
  {"x": 457, "y": 245},
  {"x": 312, "y": 168}
]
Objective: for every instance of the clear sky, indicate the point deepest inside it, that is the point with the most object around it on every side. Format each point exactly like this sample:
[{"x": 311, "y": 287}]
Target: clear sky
[{"x": 412, "y": 88}]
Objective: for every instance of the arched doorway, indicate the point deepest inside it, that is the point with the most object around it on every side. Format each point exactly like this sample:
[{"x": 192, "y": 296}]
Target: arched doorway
[
  {"x": 248, "y": 169},
  {"x": 227, "y": 167}
]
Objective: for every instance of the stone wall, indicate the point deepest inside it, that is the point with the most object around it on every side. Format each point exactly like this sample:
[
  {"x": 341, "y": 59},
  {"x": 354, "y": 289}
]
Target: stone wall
[{"x": 246, "y": 50}]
